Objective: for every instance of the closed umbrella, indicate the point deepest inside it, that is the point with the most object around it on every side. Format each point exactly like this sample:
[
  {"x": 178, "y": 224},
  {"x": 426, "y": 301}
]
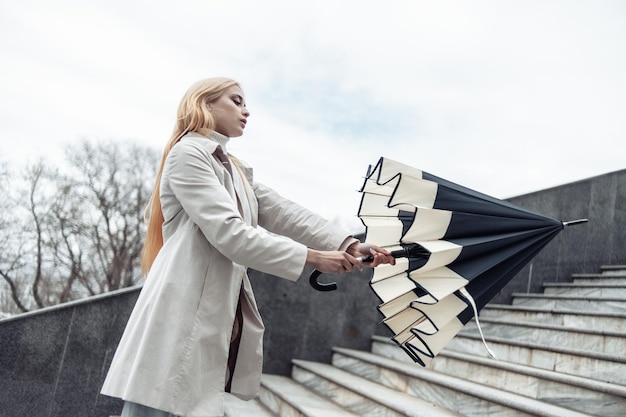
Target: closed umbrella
[{"x": 456, "y": 249}]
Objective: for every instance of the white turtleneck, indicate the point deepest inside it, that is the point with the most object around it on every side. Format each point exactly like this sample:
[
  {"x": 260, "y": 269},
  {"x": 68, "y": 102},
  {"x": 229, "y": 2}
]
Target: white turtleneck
[{"x": 220, "y": 139}]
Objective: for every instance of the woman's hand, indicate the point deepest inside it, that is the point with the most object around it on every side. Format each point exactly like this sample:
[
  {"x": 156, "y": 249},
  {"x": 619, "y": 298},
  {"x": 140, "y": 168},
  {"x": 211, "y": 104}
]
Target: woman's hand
[
  {"x": 332, "y": 262},
  {"x": 339, "y": 262},
  {"x": 363, "y": 250}
]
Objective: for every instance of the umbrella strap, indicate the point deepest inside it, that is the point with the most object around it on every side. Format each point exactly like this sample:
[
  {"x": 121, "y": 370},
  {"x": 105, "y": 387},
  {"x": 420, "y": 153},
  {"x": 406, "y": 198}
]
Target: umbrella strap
[{"x": 470, "y": 300}]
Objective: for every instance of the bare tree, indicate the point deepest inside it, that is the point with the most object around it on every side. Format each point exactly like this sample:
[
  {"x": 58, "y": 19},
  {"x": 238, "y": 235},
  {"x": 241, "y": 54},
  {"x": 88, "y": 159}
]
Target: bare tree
[
  {"x": 11, "y": 246},
  {"x": 69, "y": 248},
  {"x": 79, "y": 232},
  {"x": 115, "y": 181},
  {"x": 24, "y": 236}
]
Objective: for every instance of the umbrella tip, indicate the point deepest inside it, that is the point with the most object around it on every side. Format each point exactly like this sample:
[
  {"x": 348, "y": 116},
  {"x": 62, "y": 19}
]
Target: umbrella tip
[{"x": 573, "y": 222}]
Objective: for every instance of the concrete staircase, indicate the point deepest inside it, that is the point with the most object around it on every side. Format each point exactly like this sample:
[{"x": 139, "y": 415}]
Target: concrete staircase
[{"x": 560, "y": 353}]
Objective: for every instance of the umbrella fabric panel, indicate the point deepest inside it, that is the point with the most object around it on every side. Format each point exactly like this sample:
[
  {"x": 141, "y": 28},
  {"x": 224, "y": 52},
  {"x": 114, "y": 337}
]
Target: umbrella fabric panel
[
  {"x": 387, "y": 170},
  {"x": 424, "y": 339},
  {"x": 423, "y": 348},
  {"x": 419, "y": 288},
  {"x": 473, "y": 224},
  {"x": 481, "y": 254},
  {"x": 493, "y": 280},
  {"x": 407, "y": 185},
  {"x": 458, "y": 198},
  {"x": 425, "y": 319}
]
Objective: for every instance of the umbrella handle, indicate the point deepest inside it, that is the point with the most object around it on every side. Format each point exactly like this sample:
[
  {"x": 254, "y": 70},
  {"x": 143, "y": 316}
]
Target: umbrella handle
[
  {"x": 409, "y": 251},
  {"x": 331, "y": 286}
]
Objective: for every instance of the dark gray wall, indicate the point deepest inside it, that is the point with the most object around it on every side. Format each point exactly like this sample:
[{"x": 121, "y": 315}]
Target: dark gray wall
[
  {"x": 54, "y": 360},
  {"x": 580, "y": 248}
]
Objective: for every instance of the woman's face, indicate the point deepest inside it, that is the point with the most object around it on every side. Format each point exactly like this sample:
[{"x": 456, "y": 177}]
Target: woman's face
[{"x": 229, "y": 112}]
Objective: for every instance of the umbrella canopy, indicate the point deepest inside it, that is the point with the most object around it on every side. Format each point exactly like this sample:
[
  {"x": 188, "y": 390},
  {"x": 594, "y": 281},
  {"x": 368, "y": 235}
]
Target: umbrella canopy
[{"x": 456, "y": 249}]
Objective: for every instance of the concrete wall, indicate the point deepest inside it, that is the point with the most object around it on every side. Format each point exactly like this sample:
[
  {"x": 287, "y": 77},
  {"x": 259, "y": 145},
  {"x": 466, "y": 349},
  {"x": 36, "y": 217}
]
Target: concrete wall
[
  {"x": 54, "y": 360},
  {"x": 581, "y": 248}
]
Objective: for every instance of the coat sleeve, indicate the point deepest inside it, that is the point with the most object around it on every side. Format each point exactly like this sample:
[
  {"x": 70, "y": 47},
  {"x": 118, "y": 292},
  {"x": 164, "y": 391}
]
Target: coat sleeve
[
  {"x": 193, "y": 181},
  {"x": 279, "y": 215}
]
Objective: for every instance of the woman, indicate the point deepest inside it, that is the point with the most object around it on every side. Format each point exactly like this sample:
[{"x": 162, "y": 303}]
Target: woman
[{"x": 195, "y": 331}]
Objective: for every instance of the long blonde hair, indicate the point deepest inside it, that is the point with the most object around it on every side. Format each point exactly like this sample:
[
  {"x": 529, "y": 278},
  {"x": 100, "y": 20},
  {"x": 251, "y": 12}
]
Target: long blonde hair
[{"x": 193, "y": 116}]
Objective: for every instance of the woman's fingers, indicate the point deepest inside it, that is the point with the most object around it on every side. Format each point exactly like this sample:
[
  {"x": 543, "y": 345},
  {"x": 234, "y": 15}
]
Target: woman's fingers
[
  {"x": 336, "y": 262},
  {"x": 380, "y": 256},
  {"x": 340, "y": 262},
  {"x": 350, "y": 262}
]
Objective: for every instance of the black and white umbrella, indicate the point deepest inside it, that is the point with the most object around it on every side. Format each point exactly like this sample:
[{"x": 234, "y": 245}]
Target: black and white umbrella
[{"x": 456, "y": 249}]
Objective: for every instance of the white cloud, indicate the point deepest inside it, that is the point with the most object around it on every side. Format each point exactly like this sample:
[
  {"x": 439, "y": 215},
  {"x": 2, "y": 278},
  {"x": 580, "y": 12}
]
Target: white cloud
[{"x": 503, "y": 96}]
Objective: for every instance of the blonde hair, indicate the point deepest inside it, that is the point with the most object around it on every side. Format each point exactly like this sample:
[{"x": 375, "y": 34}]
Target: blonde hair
[{"x": 193, "y": 116}]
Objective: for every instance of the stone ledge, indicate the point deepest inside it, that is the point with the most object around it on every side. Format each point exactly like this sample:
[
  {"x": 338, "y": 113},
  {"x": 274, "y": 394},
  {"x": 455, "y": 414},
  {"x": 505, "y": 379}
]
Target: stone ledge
[
  {"x": 299, "y": 399},
  {"x": 582, "y": 285},
  {"x": 573, "y": 380},
  {"x": 599, "y": 276},
  {"x": 73, "y": 303},
  {"x": 613, "y": 268},
  {"x": 565, "y": 297},
  {"x": 531, "y": 309},
  {"x": 370, "y": 391},
  {"x": 234, "y": 407},
  {"x": 543, "y": 326},
  {"x": 550, "y": 348}
]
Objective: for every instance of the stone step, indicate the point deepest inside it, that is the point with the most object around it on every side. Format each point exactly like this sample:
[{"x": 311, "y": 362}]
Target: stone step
[
  {"x": 618, "y": 279},
  {"x": 565, "y": 302},
  {"x": 468, "y": 398},
  {"x": 598, "y": 290},
  {"x": 613, "y": 269},
  {"x": 599, "y": 366},
  {"x": 361, "y": 396},
  {"x": 569, "y": 391},
  {"x": 234, "y": 407},
  {"x": 615, "y": 322},
  {"x": 590, "y": 339},
  {"x": 286, "y": 397}
]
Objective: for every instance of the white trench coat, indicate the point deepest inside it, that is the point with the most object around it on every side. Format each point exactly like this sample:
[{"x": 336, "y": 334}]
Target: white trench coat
[{"x": 173, "y": 353}]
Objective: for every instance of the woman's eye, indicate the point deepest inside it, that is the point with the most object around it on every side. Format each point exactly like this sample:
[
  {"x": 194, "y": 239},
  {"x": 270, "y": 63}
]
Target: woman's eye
[{"x": 237, "y": 101}]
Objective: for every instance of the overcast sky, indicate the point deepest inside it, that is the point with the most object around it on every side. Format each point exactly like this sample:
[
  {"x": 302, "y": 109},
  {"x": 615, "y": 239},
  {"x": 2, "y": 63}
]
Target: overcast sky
[{"x": 507, "y": 97}]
